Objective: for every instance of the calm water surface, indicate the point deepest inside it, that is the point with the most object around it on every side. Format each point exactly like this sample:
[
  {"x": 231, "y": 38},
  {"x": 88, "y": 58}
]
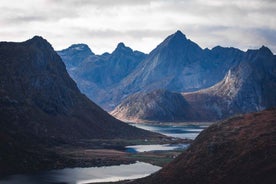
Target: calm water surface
[
  {"x": 84, "y": 175},
  {"x": 155, "y": 147},
  {"x": 178, "y": 131}
]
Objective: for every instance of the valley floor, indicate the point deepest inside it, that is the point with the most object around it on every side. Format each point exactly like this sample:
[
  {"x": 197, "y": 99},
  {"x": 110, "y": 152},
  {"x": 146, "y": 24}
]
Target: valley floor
[{"x": 103, "y": 152}]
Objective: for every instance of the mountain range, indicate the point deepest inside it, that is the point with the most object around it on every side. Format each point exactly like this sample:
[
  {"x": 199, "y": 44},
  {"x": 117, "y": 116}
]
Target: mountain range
[
  {"x": 41, "y": 106},
  {"x": 214, "y": 83},
  {"x": 97, "y": 75},
  {"x": 249, "y": 86}
]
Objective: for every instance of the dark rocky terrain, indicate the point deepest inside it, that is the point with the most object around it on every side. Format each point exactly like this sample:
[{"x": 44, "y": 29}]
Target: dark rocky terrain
[
  {"x": 42, "y": 107},
  {"x": 239, "y": 150}
]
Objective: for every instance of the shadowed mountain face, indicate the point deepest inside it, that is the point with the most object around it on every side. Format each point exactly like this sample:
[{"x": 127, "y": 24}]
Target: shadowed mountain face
[
  {"x": 37, "y": 92},
  {"x": 240, "y": 150},
  {"x": 41, "y": 105},
  {"x": 249, "y": 86},
  {"x": 97, "y": 75},
  {"x": 75, "y": 54}
]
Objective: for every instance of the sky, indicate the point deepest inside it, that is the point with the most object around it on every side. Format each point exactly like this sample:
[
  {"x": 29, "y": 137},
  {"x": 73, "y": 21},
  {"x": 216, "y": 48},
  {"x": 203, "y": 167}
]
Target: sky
[{"x": 140, "y": 24}]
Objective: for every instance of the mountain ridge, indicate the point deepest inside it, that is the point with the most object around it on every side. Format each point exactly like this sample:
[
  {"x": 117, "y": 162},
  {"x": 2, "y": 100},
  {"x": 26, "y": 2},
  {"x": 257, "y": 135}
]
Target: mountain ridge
[{"x": 249, "y": 86}]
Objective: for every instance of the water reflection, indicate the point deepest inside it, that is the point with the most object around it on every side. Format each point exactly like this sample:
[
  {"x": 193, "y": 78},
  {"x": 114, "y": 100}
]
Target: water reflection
[
  {"x": 155, "y": 147},
  {"x": 184, "y": 131},
  {"x": 85, "y": 175}
]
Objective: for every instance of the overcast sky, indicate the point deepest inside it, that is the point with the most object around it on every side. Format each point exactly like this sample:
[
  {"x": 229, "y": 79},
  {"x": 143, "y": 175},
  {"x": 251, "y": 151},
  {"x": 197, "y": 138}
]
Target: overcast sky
[{"x": 140, "y": 24}]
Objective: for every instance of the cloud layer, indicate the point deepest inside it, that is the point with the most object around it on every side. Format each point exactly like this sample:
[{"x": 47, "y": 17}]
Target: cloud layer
[{"x": 140, "y": 24}]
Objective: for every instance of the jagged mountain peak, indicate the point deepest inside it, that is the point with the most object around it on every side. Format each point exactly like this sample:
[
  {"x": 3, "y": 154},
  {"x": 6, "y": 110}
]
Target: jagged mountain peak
[
  {"x": 121, "y": 48},
  {"x": 262, "y": 50},
  {"x": 265, "y": 50},
  {"x": 179, "y": 34},
  {"x": 80, "y": 47},
  {"x": 121, "y": 45},
  {"x": 178, "y": 38},
  {"x": 37, "y": 38},
  {"x": 178, "y": 41},
  {"x": 38, "y": 42}
]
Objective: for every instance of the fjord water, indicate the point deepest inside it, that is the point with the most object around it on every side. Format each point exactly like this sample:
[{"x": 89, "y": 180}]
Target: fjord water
[
  {"x": 85, "y": 175},
  {"x": 113, "y": 173},
  {"x": 185, "y": 131}
]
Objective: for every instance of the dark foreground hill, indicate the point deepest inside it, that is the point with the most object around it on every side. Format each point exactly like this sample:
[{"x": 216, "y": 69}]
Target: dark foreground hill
[
  {"x": 239, "y": 150},
  {"x": 41, "y": 106}
]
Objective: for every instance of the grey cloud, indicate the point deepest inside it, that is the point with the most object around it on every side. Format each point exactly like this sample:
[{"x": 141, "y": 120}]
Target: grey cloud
[
  {"x": 102, "y": 3},
  {"x": 269, "y": 35},
  {"x": 110, "y": 33},
  {"x": 25, "y": 18},
  {"x": 16, "y": 15}
]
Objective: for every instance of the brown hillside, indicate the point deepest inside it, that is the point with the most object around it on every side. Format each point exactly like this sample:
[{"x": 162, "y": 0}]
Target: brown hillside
[{"x": 238, "y": 150}]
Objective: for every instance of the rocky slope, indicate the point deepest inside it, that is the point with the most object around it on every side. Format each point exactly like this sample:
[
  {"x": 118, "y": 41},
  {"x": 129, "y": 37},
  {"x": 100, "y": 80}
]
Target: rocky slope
[
  {"x": 41, "y": 105},
  {"x": 159, "y": 105},
  {"x": 239, "y": 150},
  {"x": 249, "y": 86}
]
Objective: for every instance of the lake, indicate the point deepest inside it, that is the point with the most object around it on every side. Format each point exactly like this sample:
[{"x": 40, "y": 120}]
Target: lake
[
  {"x": 177, "y": 130},
  {"x": 155, "y": 147},
  {"x": 183, "y": 131},
  {"x": 85, "y": 175}
]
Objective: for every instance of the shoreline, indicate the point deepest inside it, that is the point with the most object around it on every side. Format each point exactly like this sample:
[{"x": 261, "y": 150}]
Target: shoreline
[{"x": 96, "y": 153}]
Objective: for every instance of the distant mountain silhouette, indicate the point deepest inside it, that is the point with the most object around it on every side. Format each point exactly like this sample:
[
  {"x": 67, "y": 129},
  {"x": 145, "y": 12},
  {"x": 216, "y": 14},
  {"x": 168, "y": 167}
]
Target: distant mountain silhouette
[
  {"x": 75, "y": 54},
  {"x": 97, "y": 75},
  {"x": 239, "y": 150}
]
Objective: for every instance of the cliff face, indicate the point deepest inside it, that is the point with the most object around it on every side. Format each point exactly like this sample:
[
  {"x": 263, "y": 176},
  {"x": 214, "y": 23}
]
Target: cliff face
[
  {"x": 248, "y": 87},
  {"x": 238, "y": 150}
]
